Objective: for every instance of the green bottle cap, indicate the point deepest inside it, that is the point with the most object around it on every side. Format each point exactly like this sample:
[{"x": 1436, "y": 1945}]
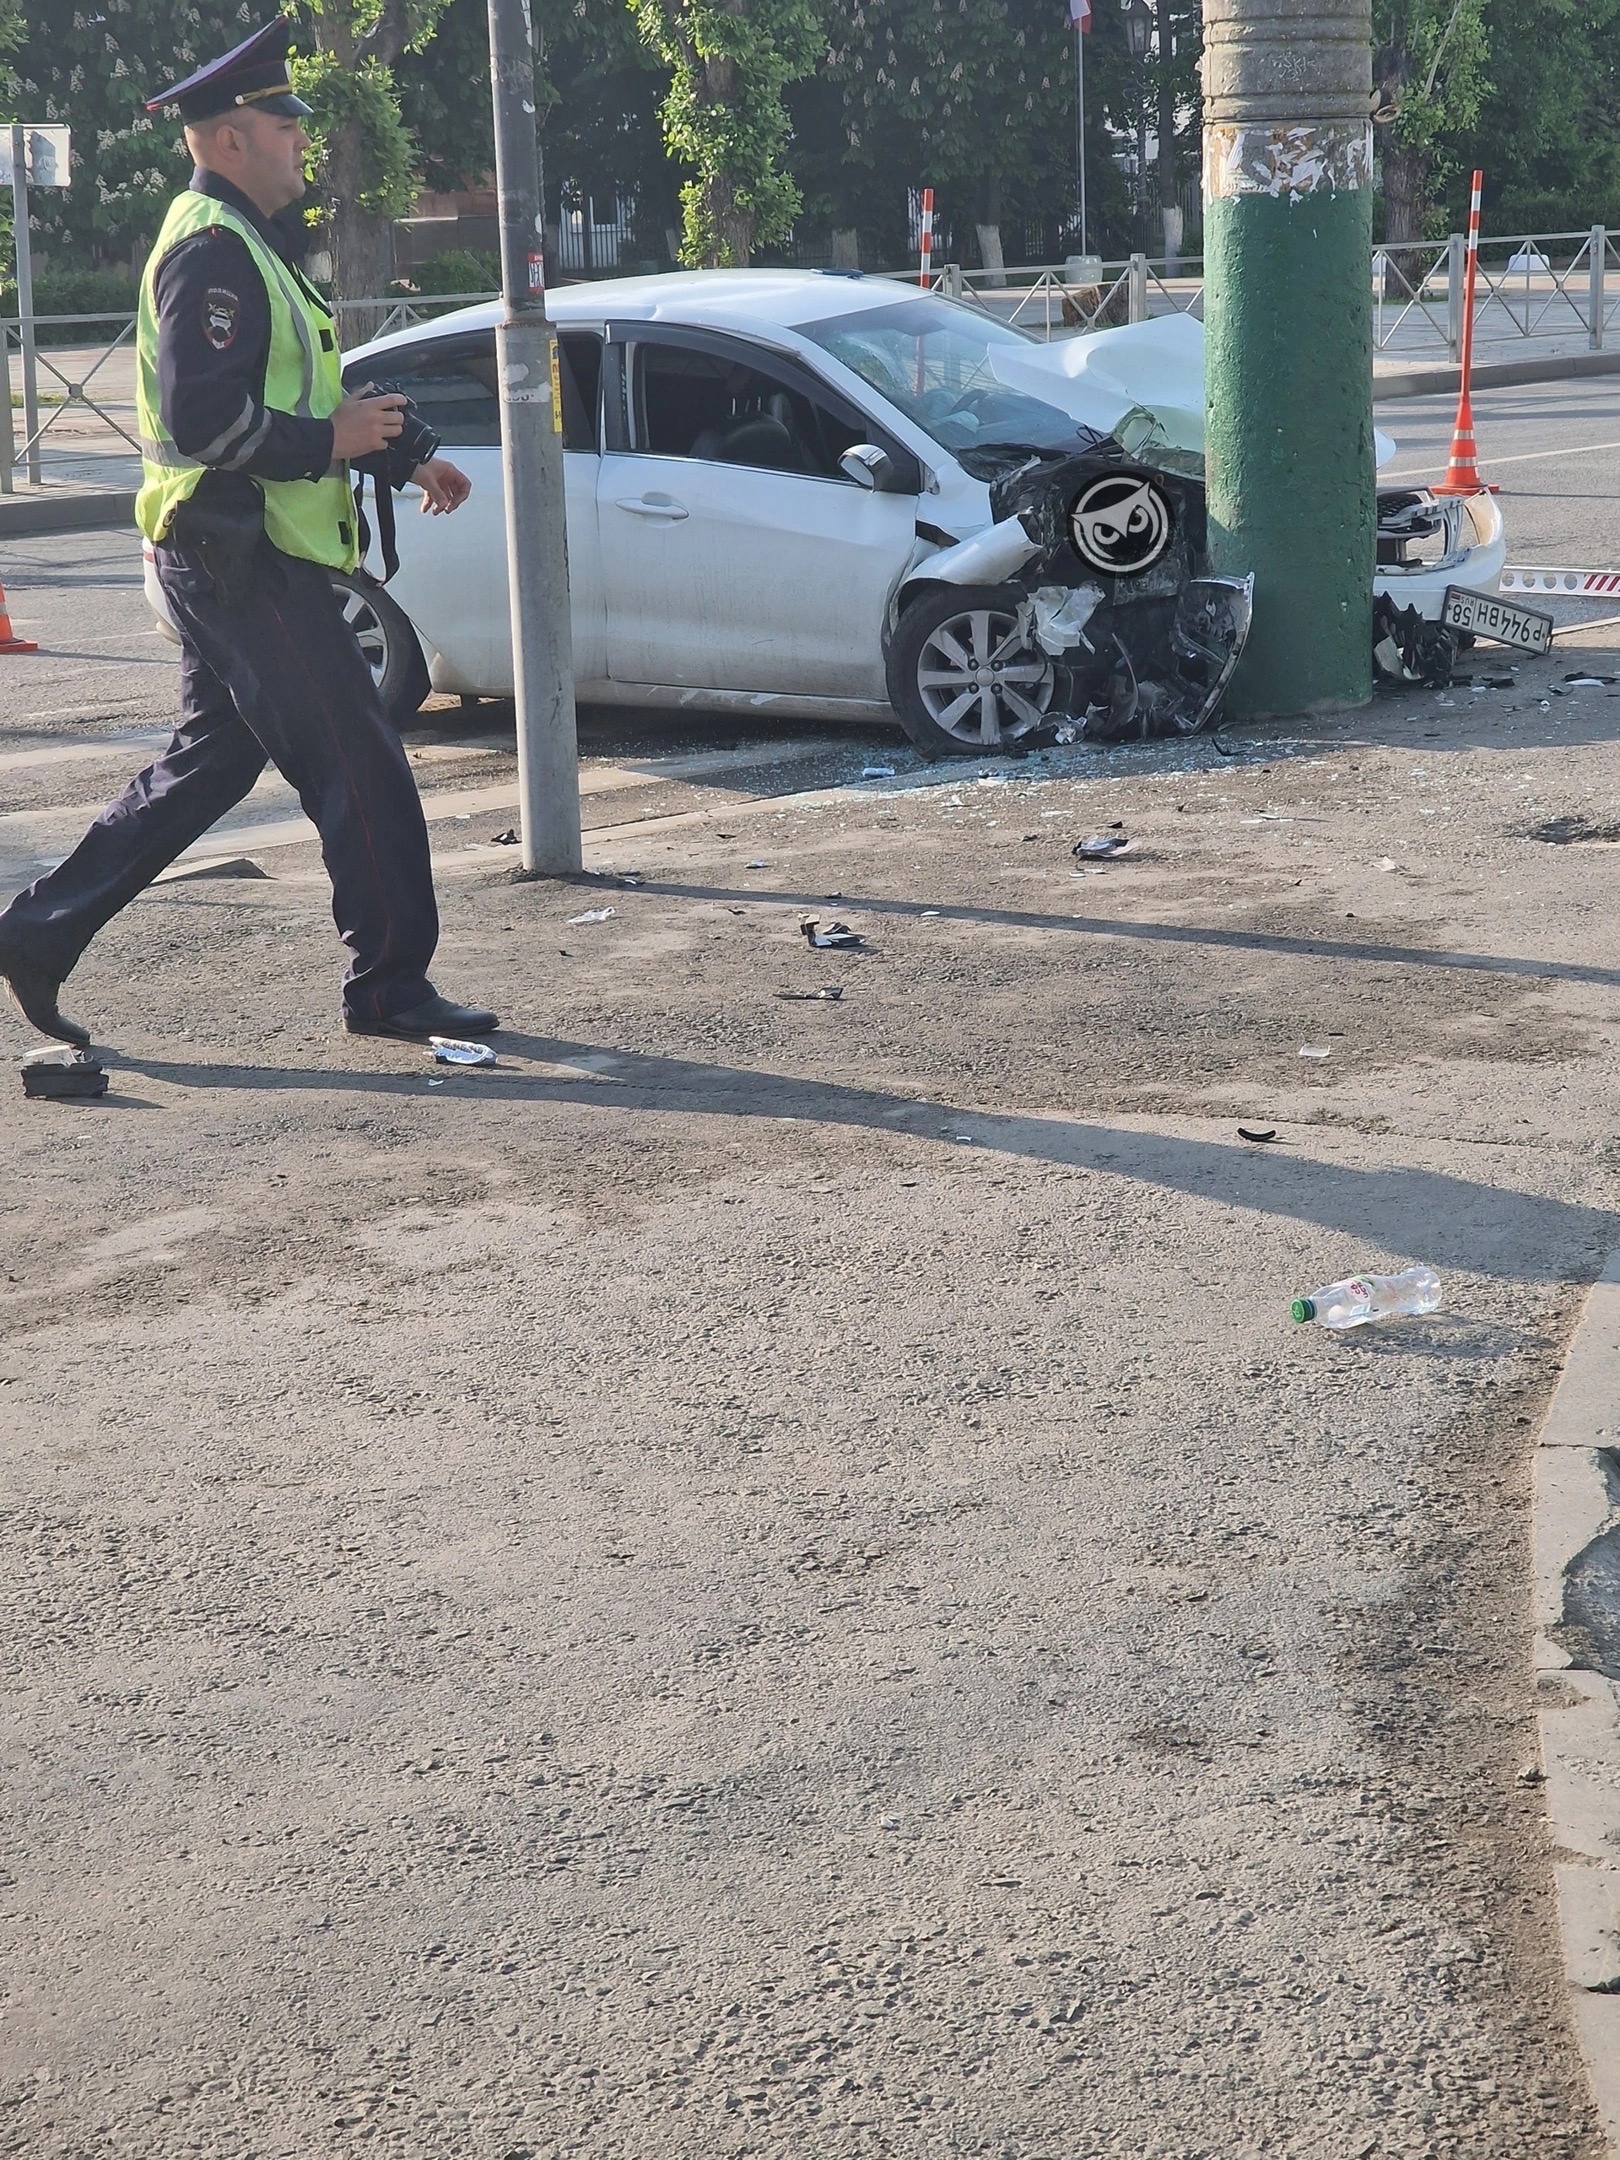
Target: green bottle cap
[{"x": 1303, "y": 1308}]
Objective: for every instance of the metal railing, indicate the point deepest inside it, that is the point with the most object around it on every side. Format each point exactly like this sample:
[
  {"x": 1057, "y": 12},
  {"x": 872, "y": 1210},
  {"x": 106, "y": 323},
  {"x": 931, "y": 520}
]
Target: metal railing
[
  {"x": 1043, "y": 299},
  {"x": 1530, "y": 285},
  {"x": 401, "y": 314},
  {"x": 75, "y": 389},
  {"x": 74, "y": 382}
]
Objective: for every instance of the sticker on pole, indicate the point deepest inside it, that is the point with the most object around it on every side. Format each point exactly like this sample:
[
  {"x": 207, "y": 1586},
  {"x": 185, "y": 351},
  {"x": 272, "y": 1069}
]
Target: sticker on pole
[{"x": 1120, "y": 524}]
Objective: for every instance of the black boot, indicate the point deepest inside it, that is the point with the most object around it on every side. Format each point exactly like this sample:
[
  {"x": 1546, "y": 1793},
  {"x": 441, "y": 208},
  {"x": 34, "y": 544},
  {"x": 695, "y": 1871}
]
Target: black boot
[{"x": 34, "y": 989}]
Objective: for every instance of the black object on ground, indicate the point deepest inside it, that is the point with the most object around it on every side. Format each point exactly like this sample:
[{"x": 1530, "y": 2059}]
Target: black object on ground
[
  {"x": 837, "y": 937},
  {"x": 828, "y": 995},
  {"x": 1570, "y": 831},
  {"x": 1258, "y": 1136},
  {"x": 1408, "y": 648},
  {"x": 63, "y": 1076}
]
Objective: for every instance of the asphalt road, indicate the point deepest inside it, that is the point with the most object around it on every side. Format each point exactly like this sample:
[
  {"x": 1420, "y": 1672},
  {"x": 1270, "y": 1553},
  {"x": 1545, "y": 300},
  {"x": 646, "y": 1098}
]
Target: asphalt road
[
  {"x": 771, "y": 1576},
  {"x": 1553, "y": 448}
]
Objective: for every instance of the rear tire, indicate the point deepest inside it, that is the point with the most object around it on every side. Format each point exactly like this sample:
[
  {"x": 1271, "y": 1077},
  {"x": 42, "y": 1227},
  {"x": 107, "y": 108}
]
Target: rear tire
[
  {"x": 387, "y": 642},
  {"x": 961, "y": 685}
]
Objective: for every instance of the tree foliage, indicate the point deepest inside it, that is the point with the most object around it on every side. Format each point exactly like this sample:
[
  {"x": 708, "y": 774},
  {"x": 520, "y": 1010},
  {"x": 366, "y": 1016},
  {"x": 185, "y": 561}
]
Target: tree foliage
[
  {"x": 976, "y": 99},
  {"x": 766, "y": 115},
  {"x": 94, "y": 67},
  {"x": 364, "y": 155},
  {"x": 1429, "y": 81},
  {"x": 1548, "y": 133},
  {"x": 729, "y": 62}
]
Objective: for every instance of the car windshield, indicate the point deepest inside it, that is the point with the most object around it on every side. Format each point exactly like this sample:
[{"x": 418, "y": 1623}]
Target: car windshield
[{"x": 931, "y": 358}]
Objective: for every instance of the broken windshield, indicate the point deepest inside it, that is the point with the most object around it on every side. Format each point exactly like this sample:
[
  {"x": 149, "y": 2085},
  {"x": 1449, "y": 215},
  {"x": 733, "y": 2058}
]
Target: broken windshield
[{"x": 932, "y": 359}]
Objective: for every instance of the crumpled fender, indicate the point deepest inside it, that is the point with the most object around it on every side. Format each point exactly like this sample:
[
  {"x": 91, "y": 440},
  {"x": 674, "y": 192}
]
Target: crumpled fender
[{"x": 988, "y": 558}]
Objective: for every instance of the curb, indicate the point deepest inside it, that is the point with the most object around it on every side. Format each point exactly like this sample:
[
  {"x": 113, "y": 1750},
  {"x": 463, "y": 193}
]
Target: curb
[
  {"x": 89, "y": 511},
  {"x": 1501, "y": 375},
  {"x": 1576, "y": 1657}
]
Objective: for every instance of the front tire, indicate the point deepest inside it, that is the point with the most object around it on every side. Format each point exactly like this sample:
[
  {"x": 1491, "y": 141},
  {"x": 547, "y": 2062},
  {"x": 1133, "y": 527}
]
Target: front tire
[
  {"x": 387, "y": 642},
  {"x": 961, "y": 679}
]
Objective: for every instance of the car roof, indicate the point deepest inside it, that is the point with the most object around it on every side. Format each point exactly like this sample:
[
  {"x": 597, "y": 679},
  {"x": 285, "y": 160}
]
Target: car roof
[{"x": 718, "y": 299}]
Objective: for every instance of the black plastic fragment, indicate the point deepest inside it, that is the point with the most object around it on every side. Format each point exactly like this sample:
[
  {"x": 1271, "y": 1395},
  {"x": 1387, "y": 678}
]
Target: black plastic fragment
[{"x": 63, "y": 1076}]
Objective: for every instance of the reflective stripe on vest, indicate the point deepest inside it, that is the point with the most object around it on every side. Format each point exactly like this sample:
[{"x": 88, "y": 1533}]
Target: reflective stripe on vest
[{"x": 314, "y": 519}]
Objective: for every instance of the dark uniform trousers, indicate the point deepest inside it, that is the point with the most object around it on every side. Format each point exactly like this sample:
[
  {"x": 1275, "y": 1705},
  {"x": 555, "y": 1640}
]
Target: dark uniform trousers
[{"x": 277, "y": 677}]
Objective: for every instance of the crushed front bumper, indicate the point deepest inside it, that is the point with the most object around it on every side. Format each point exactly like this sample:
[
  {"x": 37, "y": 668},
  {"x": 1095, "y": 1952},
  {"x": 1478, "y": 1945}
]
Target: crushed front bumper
[{"x": 1427, "y": 543}]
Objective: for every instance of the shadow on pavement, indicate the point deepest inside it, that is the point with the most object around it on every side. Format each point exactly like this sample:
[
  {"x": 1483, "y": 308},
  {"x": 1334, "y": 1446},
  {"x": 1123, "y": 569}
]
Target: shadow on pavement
[
  {"x": 1485, "y": 1229},
  {"x": 1201, "y": 934}
]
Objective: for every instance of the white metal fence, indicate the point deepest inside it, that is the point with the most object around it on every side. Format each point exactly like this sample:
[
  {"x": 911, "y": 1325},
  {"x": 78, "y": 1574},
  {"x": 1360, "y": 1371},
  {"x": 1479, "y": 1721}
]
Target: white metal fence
[{"x": 1530, "y": 285}]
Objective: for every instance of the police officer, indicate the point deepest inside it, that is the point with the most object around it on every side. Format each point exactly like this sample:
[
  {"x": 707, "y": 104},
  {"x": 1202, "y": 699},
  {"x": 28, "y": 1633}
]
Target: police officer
[{"x": 246, "y": 438}]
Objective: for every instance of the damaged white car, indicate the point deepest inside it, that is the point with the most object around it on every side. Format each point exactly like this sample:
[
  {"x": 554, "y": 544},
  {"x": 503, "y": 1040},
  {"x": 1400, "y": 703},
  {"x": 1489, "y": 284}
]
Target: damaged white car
[{"x": 824, "y": 495}]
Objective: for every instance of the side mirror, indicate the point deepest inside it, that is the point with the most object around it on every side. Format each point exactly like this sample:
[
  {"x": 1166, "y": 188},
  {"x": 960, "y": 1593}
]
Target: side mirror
[{"x": 867, "y": 466}]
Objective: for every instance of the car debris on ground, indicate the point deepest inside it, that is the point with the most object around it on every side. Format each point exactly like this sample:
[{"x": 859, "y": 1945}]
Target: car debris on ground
[
  {"x": 837, "y": 937},
  {"x": 63, "y": 1075}
]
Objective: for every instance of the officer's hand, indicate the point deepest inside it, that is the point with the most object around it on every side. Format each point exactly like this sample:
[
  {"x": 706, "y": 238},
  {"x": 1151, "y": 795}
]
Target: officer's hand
[
  {"x": 444, "y": 486},
  {"x": 363, "y": 424}
]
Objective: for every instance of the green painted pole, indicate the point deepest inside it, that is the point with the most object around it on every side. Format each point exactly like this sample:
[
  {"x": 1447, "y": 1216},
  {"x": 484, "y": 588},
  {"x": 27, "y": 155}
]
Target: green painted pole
[{"x": 1288, "y": 353}]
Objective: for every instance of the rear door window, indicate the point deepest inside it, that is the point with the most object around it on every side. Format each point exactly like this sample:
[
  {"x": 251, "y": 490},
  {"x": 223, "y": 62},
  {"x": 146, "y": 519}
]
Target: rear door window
[{"x": 453, "y": 384}]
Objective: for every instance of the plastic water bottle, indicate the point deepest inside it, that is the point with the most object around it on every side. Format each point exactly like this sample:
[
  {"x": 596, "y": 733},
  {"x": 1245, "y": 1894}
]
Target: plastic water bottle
[{"x": 1360, "y": 1298}]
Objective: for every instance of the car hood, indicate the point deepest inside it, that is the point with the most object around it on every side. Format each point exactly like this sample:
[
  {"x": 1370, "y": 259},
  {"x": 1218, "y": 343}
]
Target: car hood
[{"x": 1104, "y": 376}]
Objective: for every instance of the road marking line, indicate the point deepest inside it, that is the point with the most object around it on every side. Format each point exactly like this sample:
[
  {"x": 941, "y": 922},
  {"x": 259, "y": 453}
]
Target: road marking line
[{"x": 1519, "y": 457}]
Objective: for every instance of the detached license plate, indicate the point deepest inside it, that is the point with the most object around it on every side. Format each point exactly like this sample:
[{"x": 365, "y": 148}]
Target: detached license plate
[{"x": 1503, "y": 620}]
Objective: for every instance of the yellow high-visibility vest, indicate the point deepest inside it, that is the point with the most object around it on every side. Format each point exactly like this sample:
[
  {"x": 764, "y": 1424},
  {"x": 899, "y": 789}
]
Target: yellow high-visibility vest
[{"x": 311, "y": 518}]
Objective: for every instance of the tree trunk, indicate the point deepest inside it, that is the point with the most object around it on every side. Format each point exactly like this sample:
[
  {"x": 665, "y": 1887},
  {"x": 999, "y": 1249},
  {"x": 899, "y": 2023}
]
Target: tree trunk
[
  {"x": 362, "y": 245},
  {"x": 989, "y": 231},
  {"x": 1406, "y": 192},
  {"x": 729, "y": 224}
]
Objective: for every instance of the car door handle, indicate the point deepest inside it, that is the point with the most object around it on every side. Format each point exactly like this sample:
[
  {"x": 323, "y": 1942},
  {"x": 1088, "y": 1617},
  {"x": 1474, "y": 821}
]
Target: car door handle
[{"x": 654, "y": 506}]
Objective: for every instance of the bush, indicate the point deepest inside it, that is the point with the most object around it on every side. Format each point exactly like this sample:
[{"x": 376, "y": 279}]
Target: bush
[
  {"x": 461, "y": 270},
  {"x": 76, "y": 292}
]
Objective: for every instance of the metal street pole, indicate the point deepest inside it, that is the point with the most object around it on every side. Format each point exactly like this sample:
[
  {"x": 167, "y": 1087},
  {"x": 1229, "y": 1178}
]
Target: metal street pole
[
  {"x": 1288, "y": 357},
  {"x": 25, "y": 299},
  {"x": 532, "y": 469},
  {"x": 1080, "y": 125}
]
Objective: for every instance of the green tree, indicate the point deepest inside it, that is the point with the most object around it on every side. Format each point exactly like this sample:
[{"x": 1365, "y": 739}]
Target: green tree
[
  {"x": 1548, "y": 133},
  {"x": 365, "y": 156},
  {"x": 976, "y": 99},
  {"x": 598, "y": 90},
  {"x": 730, "y": 61},
  {"x": 94, "y": 70},
  {"x": 1429, "y": 79}
]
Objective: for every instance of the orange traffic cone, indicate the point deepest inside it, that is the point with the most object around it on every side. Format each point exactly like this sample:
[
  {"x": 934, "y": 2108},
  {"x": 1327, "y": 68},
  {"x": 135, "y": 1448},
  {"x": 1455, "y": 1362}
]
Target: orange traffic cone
[
  {"x": 9, "y": 641},
  {"x": 1462, "y": 474}
]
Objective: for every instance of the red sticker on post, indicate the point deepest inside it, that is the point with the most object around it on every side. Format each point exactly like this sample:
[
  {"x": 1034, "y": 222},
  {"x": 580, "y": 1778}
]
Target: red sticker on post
[{"x": 537, "y": 273}]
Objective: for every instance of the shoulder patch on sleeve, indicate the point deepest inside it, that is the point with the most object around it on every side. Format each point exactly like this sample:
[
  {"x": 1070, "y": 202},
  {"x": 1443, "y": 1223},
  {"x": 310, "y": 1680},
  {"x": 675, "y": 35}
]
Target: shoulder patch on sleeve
[{"x": 221, "y": 313}]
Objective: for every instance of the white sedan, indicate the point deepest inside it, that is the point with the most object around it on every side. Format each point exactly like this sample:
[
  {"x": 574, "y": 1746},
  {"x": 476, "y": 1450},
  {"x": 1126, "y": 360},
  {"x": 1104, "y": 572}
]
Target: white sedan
[{"x": 725, "y": 549}]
